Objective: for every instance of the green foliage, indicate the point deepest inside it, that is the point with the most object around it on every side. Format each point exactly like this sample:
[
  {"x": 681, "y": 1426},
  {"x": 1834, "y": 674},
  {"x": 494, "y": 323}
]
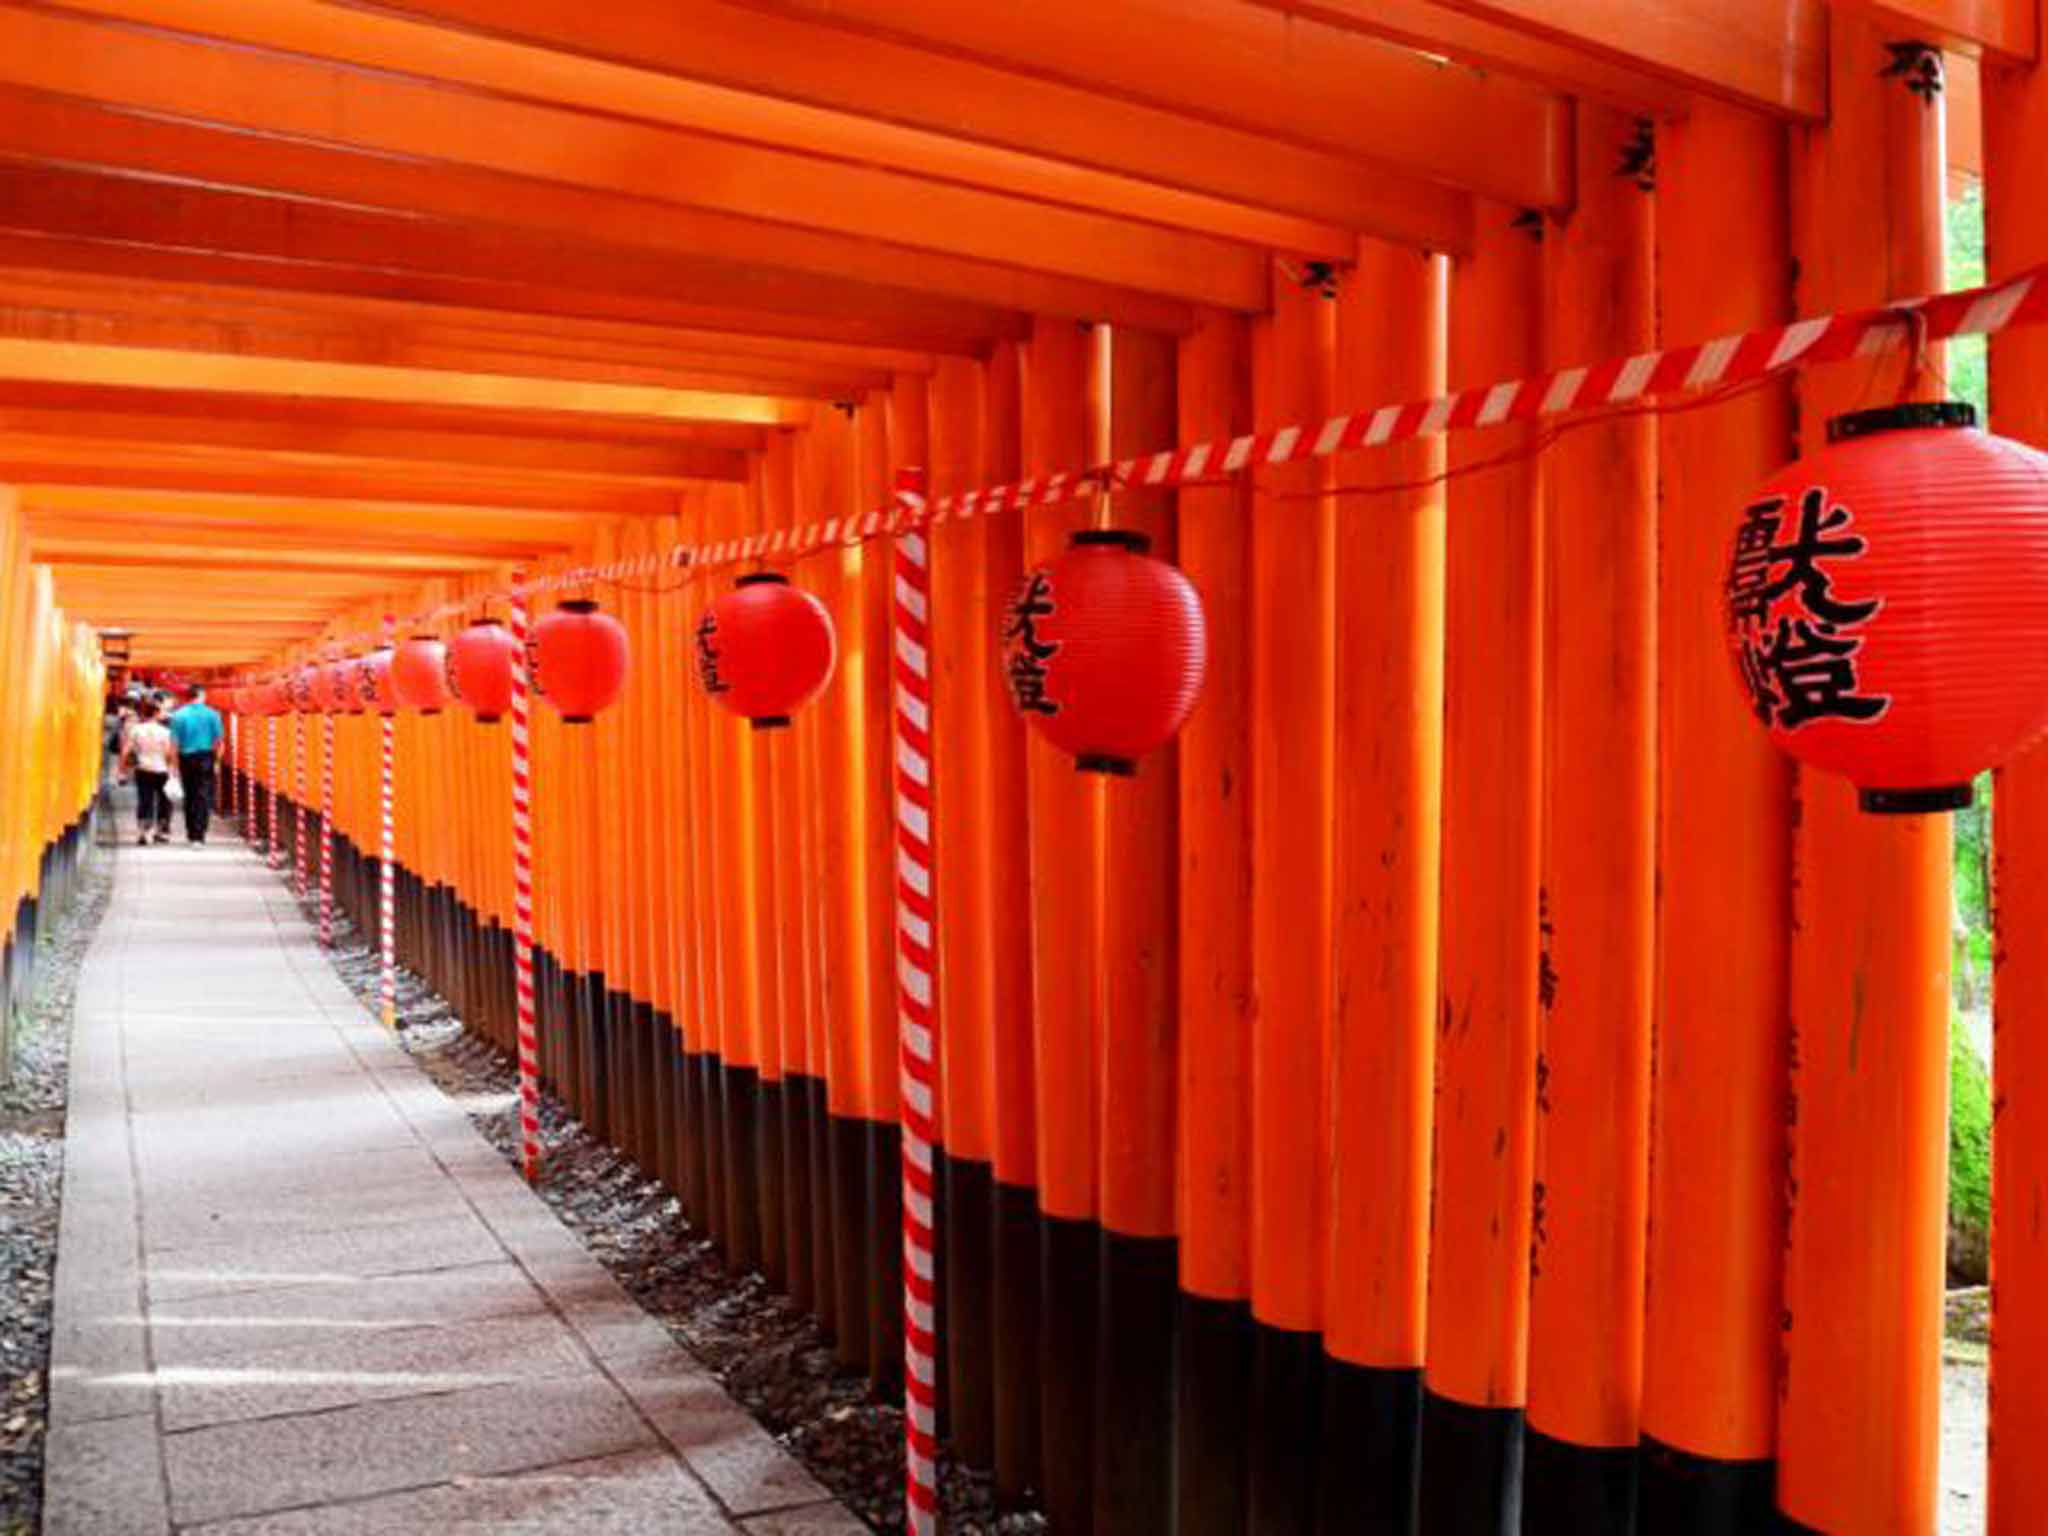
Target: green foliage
[
  {"x": 1967, "y": 376},
  {"x": 1969, "y": 1158}
]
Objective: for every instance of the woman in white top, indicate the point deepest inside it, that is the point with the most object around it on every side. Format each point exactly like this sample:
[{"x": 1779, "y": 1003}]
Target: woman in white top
[{"x": 151, "y": 753}]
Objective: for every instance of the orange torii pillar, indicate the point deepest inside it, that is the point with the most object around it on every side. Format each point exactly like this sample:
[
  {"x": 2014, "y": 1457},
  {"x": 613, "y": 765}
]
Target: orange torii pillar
[
  {"x": 1140, "y": 1023},
  {"x": 1386, "y": 841},
  {"x": 2016, "y": 237},
  {"x": 1593, "y": 1074},
  {"x": 1293, "y": 620},
  {"x": 1008, "y": 955},
  {"x": 1066, "y": 945},
  {"x": 1858, "y": 1442},
  {"x": 1476, "y": 1380},
  {"x": 1725, "y": 830},
  {"x": 1214, "y": 1324}
]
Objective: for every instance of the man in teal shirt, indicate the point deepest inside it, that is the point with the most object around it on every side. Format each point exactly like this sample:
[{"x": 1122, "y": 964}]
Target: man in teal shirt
[{"x": 198, "y": 731}]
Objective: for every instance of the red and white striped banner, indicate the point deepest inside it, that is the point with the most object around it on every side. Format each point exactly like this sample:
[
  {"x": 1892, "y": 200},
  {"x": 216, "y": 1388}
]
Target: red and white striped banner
[
  {"x": 1616, "y": 383},
  {"x": 387, "y": 858},
  {"x": 522, "y": 898},
  {"x": 227, "y": 785},
  {"x": 327, "y": 831},
  {"x": 917, "y": 1007}
]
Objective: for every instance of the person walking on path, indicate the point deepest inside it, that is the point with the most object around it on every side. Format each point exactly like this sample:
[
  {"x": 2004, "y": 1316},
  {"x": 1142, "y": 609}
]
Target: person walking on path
[
  {"x": 199, "y": 733},
  {"x": 149, "y": 753}
]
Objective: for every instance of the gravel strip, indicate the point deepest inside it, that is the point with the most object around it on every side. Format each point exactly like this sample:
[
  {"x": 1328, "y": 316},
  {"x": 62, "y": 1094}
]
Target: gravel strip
[
  {"x": 769, "y": 1356},
  {"x": 31, "y": 1182}
]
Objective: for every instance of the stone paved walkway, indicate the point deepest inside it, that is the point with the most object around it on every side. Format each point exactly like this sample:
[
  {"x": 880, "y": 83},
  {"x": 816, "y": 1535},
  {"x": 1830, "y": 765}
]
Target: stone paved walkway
[{"x": 297, "y": 1293}]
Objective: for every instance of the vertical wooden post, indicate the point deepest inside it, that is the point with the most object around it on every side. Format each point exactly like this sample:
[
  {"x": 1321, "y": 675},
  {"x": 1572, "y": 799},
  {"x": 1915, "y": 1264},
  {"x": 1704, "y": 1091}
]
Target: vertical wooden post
[
  {"x": 1593, "y": 1074},
  {"x": 1718, "y": 1145},
  {"x": 301, "y": 845},
  {"x": 1293, "y": 619},
  {"x": 965, "y": 612},
  {"x": 270, "y": 819},
  {"x": 1477, "y": 1360},
  {"x": 1213, "y": 1324},
  {"x": 2016, "y": 237},
  {"x": 1140, "y": 1024},
  {"x": 1064, "y": 808},
  {"x": 1387, "y": 824},
  {"x": 1857, "y": 1428},
  {"x": 1007, "y": 930}
]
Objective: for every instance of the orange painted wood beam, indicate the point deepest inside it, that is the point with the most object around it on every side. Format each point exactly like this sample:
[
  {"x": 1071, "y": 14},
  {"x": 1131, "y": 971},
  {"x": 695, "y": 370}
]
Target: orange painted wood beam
[
  {"x": 1545, "y": 61},
  {"x": 355, "y": 516},
  {"x": 417, "y": 50},
  {"x": 227, "y": 336},
  {"x": 311, "y": 381},
  {"x": 789, "y": 60},
  {"x": 2011, "y": 28},
  {"x": 125, "y": 226},
  {"x": 1252, "y": 69},
  {"x": 115, "y": 467},
  {"x": 124, "y": 530},
  {"x": 780, "y": 204},
  {"x": 26, "y": 432},
  {"x": 1770, "y": 54},
  {"x": 165, "y": 555}
]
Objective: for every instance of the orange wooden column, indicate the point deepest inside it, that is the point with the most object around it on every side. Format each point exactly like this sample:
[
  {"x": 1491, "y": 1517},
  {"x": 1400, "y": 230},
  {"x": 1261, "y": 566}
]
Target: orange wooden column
[
  {"x": 1477, "y": 1358},
  {"x": 1858, "y": 1445},
  {"x": 1213, "y": 1323},
  {"x": 1064, "y": 808},
  {"x": 1007, "y": 959},
  {"x": 964, "y": 635},
  {"x": 2016, "y": 237},
  {"x": 784, "y": 977},
  {"x": 1593, "y": 1081},
  {"x": 1724, "y": 882},
  {"x": 1389, "y": 737},
  {"x": 1140, "y": 1023},
  {"x": 825, "y": 488},
  {"x": 894, "y": 437},
  {"x": 1293, "y": 560}
]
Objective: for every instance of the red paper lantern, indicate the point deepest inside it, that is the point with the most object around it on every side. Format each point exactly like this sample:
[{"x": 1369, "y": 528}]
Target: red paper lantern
[
  {"x": 578, "y": 658},
  {"x": 480, "y": 668},
  {"x": 1884, "y": 604},
  {"x": 374, "y": 685},
  {"x": 419, "y": 674},
  {"x": 1104, "y": 650},
  {"x": 225, "y": 699},
  {"x": 765, "y": 648},
  {"x": 334, "y": 686},
  {"x": 301, "y": 691}
]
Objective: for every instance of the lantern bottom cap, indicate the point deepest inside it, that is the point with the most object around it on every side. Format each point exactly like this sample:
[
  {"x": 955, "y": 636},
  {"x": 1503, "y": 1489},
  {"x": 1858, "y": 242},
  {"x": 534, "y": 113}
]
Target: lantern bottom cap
[
  {"x": 1103, "y": 762},
  {"x": 1916, "y": 802},
  {"x": 769, "y": 722},
  {"x": 577, "y": 719}
]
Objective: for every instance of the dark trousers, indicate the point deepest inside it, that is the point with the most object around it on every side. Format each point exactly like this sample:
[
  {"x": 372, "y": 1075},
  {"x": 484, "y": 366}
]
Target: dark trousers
[
  {"x": 196, "y": 770},
  {"x": 152, "y": 805}
]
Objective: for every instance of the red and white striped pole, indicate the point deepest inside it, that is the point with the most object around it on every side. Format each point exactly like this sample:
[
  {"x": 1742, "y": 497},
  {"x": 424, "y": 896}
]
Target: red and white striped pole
[
  {"x": 387, "y": 858},
  {"x": 917, "y": 1003},
  {"x": 301, "y": 866},
  {"x": 522, "y": 894},
  {"x": 270, "y": 827},
  {"x": 227, "y": 787},
  {"x": 327, "y": 831}
]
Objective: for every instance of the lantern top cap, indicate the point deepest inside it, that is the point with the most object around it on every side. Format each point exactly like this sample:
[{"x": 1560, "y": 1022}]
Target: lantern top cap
[
  {"x": 425, "y": 634},
  {"x": 488, "y": 621},
  {"x": 1115, "y": 538},
  {"x": 762, "y": 579},
  {"x": 577, "y": 605},
  {"x": 1906, "y": 415}
]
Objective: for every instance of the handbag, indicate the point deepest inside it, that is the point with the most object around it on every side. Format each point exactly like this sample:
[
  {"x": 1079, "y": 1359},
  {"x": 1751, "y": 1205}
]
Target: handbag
[{"x": 174, "y": 790}]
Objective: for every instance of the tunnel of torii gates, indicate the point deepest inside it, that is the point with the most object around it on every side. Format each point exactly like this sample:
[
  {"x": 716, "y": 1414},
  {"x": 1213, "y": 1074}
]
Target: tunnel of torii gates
[{"x": 1468, "y": 1077}]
